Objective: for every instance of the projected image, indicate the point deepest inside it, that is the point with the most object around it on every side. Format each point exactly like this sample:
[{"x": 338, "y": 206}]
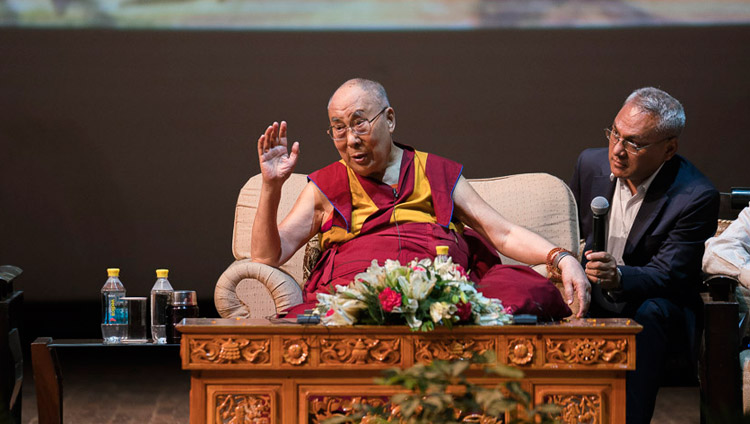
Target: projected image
[{"x": 367, "y": 14}]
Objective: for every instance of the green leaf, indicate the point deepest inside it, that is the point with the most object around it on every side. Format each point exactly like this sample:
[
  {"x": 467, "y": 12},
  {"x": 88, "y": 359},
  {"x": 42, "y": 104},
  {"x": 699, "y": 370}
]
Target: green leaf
[{"x": 503, "y": 370}]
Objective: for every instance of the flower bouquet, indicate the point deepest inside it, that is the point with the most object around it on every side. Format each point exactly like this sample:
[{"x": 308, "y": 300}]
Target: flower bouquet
[{"x": 422, "y": 294}]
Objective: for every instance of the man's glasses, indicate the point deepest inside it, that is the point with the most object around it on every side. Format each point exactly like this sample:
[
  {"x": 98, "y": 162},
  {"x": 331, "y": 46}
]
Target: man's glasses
[
  {"x": 630, "y": 146},
  {"x": 360, "y": 126}
]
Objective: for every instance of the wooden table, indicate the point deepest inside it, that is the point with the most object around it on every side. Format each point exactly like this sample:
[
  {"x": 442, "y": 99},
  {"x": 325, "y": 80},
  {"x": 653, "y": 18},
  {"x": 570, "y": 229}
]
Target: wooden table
[
  {"x": 259, "y": 371},
  {"x": 48, "y": 371}
]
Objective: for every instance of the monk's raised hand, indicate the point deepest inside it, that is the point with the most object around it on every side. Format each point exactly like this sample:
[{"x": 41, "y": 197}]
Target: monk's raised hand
[{"x": 276, "y": 162}]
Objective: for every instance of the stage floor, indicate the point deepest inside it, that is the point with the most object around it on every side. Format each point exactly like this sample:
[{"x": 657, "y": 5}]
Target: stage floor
[{"x": 153, "y": 389}]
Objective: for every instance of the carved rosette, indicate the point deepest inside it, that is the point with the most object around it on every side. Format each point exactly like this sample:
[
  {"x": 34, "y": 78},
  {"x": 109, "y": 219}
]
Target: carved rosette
[
  {"x": 587, "y": 351},
  {"x": 360, "y": 351},
  {"x": 243, "y": 409},
  {"x": 450, "y": 349},
  {"x": 295, "y": 351},
  {"x": 578, "y": 408},
  {"x": 321, "y": 408},
  {"x": 520, "y": 351},
  {"x": 230, "y": 350}
]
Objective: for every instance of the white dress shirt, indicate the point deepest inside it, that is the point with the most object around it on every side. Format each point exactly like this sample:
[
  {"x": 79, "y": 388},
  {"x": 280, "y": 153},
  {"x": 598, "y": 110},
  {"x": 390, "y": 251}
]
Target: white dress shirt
[
  {"x": 622, "y": 213},
  {"x": 625, "y": 207}
]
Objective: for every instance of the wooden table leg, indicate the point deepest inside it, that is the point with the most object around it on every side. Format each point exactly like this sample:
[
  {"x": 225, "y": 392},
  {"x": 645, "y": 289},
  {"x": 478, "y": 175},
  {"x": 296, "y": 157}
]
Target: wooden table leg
[{"x": 48, "y": 381}]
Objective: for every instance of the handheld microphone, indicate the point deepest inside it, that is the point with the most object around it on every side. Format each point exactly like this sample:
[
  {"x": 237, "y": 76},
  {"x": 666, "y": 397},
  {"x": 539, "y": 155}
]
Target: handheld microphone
[{"x": 600, "y": 208}]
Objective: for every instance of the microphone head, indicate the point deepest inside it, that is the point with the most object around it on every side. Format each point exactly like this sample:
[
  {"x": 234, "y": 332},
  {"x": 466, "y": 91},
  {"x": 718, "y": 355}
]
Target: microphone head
[{"x": 599, "y": 206}]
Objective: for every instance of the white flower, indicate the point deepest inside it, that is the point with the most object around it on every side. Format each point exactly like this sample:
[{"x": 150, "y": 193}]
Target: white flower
[
  {"x": 336, "y": 319},
  {"x": 418, "y": 287},
  {"x": 440, "y": 310},
  {"x": 410, "y": 307},
  {"x": 390, "y": 265},
  {"x": 356, "y": 289},
  {"x": 412, "y": 321},
  {"x": 345, "y": 311}
]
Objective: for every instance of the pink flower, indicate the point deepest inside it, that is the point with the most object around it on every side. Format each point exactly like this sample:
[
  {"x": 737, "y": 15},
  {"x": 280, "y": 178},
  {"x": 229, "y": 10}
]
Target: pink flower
[
  {"x": 463, "y": 310},
  {"x": 419, "y": 268},
  {"x": 389, "y": 299},
  {"x": 461, "y": 270},
  {"x": 330, "y": 312}
]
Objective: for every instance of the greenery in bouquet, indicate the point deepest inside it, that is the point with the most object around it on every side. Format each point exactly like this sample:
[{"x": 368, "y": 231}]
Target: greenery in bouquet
[
  {"x": 440, "y": 393},
  {"x": 421, "y": 294}
]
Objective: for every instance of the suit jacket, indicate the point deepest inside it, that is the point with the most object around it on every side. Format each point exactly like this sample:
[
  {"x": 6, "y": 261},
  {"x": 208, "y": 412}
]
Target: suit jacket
[{"x": 664, "y": 248}]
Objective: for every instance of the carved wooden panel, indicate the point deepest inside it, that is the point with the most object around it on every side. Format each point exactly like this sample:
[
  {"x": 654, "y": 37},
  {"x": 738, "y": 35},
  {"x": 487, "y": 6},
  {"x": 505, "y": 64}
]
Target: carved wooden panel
[
  {"x": 229, "y": 350},
  {"x": 578, "y": 408},
  {"x": 586, "y": 351},
  {"x": 240, "y": 404},
  {"x": 481, "y": 419},
  {"x": 360, "y": 351},
  {"x": 244, "y": 409},
  {"x": 426, "y": 350},
  {"x": 320, "y": 408}
]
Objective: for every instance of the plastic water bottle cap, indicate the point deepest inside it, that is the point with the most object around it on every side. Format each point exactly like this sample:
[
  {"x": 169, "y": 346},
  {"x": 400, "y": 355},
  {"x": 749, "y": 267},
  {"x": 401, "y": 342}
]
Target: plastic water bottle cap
[
  {"x": 162, "y": 273},
  {"x": 113, "y": 272},
  {"x": 442, "y": 250}
]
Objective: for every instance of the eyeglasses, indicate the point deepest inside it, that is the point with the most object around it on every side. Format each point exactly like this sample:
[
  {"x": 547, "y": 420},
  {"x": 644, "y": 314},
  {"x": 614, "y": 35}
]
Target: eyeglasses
[
  {"x": 360, "y": 126},
  {"x": 630, "y": 146}
]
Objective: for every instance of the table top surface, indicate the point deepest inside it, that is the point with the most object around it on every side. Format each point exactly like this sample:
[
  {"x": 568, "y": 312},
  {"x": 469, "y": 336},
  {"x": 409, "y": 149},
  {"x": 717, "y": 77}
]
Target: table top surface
[
  {"x": 287, "y": 326},
  {"x": 99, "y": 343}
]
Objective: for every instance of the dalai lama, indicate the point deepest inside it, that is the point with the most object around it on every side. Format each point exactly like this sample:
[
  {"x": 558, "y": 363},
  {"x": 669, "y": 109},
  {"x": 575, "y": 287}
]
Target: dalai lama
[{"x": 385, "y": 200}]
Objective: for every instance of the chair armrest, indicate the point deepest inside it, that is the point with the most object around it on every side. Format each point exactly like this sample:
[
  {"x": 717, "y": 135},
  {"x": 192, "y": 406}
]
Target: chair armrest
[
  {"x": 720, "y": 287},
  {"x": 271, "y": 290}
]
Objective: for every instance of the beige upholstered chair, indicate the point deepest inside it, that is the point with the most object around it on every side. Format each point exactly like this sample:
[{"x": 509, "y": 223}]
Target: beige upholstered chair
[{"x": 540, "y": 202}]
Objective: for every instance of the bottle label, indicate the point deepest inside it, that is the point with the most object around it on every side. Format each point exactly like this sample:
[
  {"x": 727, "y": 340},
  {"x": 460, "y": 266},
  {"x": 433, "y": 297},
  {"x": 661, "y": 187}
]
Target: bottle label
[{"x": 116, "y": 313}]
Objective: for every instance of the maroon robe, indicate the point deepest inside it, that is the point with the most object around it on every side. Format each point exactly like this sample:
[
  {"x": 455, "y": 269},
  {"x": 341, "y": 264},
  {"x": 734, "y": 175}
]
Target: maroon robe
[{"x": 521, "y": 289}]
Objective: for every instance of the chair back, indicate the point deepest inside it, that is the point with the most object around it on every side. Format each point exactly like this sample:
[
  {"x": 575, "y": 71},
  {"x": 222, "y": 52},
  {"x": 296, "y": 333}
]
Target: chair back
[
  {"x": 539, "y": 202},
  {"x": 244, "y": 215}
]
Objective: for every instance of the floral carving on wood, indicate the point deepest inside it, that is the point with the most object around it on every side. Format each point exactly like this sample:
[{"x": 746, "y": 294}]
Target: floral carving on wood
[
  {"x": 578, "y": 408},
  {"x": 360, "y": 351},
  {"x": 450, "y": 349},
  {"x": 321, "y": 408},
  {"x": 520, "y": 351},
  {"x": 230, "y": 350},
  {"x": 587, "y": 351},
  {"x": 243, "y": 409},
  {"x": 295, "y": 351}
]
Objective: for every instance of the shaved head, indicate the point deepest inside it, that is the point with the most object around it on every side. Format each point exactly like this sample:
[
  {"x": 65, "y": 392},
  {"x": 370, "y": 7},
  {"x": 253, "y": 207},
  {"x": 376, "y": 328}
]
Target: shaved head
[{"x": 372, "y": 88}]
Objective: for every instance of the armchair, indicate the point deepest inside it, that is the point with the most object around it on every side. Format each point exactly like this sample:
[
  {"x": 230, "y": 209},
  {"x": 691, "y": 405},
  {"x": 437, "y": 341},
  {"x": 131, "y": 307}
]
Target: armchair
[
  {"x": 724, "y": 369},
  {"x": 540, "y": 202}
]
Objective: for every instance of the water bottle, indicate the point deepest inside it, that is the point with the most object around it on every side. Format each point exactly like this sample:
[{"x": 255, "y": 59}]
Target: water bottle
[
  {"x": 114, "y": 315},
  {"x": 442, "y": 254},
  {"x": 161, "y": 298}
]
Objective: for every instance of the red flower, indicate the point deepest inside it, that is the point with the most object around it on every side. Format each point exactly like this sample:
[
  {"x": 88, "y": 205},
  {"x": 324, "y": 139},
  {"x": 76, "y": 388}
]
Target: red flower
[
  {"x": 389, "y": 299},
  {"x": 463, "y": 310},
  {"x": 330, "y": 312}
]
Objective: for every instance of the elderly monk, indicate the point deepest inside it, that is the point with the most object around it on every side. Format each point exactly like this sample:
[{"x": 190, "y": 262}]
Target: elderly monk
[{"x": 385, "y": 200}]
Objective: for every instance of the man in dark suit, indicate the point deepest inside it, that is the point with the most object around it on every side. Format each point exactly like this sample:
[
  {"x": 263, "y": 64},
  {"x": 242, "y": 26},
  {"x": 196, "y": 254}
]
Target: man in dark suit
[{"x": 662, "y": 211}]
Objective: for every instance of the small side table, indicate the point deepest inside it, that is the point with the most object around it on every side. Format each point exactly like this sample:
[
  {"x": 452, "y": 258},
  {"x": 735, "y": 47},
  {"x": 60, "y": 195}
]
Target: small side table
[{"x": 48, "y": 373}]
